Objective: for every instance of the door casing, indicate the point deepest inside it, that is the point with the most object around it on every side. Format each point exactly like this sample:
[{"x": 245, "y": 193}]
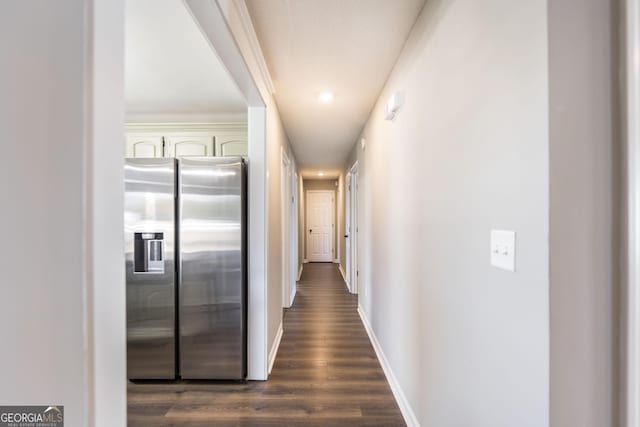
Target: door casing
[
  {"x": 308, "y": 197},
  {"x": 285, "y": 214},
  {"x": 353, "y": 235}
]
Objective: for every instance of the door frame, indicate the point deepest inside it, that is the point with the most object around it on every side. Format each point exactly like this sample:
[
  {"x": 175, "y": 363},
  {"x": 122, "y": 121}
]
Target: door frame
[
  {"x": 353, "y": 235},
  {"x": 347, "y": 231},
  {"x": 333, "y": 222},
  {"x": 293, "y": 237},
  {"x": 631, "y": 372},
  {"x": 285, "y": 227}
]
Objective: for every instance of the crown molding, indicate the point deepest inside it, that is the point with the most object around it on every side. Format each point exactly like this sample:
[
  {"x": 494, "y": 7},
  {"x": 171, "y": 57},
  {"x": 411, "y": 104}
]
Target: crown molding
[
  {"x": 184, "y": 127},
  {"x": 182, "y": 117},
  {"x": 247, "y": 25}
]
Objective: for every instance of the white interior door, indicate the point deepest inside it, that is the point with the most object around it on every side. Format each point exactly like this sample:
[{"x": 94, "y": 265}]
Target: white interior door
[{"x": 320, "y": 226}]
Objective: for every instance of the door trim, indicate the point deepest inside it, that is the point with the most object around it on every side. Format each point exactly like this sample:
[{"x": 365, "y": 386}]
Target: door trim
[
  {"x": 285, "y": 227},
  {"x": 338, "y": 207},
  {"x": 293, "y": 245},
  {"x": 347, "y": 231},
  {"x": 632, "y": 368},
  {"x": 333, "y": 222},
  {"x": 353, "y": 172}
]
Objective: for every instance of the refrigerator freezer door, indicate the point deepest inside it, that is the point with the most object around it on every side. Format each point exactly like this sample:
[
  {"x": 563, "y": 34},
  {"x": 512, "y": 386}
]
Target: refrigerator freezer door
[
  {"x": 149, "y": 219},
  {"x": 212, "y": 325}
]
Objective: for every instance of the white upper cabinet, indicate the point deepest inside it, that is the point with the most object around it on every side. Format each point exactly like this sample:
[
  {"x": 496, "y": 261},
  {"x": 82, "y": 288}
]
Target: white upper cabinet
[
  {"x": 144, "y": 146},
  {"x": 188, "y": 146},
  {"x": 186, "y": 139},
  {"x": 231, "y": 146}
]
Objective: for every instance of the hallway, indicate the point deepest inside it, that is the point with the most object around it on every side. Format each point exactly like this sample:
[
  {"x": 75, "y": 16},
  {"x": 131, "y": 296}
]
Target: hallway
[{"x": 326, "y": 373}]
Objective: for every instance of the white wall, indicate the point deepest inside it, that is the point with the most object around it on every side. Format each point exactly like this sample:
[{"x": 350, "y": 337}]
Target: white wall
[
  {"x": 62, "y": 306},
  {"x": 467, "y": 343},
  {"x": 106, "y": 305},
  {"x": 276, "y": 139}
]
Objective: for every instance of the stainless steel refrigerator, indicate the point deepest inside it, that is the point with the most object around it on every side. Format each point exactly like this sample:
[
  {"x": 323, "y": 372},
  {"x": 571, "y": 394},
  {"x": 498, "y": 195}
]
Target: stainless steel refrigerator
[{"x": 185, "y": 250}]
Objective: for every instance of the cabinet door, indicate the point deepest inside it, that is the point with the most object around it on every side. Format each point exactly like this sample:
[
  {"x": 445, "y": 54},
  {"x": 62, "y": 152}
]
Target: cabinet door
[
  {"x": 231, "y": 146},
  {"x": 144, "y": 146},
  {"x": 187, "y": 146}
]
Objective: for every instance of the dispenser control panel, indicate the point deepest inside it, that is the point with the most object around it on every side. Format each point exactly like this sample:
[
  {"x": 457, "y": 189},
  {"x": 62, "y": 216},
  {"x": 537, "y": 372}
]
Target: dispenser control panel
[{"x": 149, "y": 253}]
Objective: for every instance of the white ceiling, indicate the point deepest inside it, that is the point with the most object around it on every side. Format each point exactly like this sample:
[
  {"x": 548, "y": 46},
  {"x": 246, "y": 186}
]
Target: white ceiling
[
  {"x": 344, "y": 46},
  {"x": 171, "y": 72}
]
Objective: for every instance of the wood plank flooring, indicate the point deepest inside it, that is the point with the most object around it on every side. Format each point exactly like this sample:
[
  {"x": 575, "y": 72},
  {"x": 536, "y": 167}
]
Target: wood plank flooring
[{"x": 326, "y": 374}]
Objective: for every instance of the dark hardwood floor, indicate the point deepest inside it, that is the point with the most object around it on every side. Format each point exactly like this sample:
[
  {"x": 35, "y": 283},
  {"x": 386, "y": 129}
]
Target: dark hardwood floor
[{"x": 325, "y": 374}]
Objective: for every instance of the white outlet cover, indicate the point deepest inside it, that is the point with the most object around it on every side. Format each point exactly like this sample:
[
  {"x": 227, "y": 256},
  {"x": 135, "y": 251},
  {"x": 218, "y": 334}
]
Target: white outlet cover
[{"x": 503, "y": 249}]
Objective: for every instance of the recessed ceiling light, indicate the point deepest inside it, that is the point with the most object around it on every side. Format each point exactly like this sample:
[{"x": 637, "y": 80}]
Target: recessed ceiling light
[
  {"x": 320, "y": 173},
  {"x": 325, "y": 97}
]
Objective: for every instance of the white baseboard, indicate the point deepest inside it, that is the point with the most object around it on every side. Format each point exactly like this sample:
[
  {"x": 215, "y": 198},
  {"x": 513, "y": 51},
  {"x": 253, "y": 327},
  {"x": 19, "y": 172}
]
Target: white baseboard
[
  {"x": 305, "y": 261},
  {"x": 408, "y": 414},
  {"x": 300, "y": 272},
  {"x": 336, "y": 261},
  {"x": 344, "y": 275},
  {"x": 274, "y": 347},
  {"x": 293, "y": 297}
]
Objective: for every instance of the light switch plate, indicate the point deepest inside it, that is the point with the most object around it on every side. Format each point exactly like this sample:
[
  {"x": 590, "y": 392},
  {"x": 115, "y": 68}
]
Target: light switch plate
[{"x": 503, "y": 249}]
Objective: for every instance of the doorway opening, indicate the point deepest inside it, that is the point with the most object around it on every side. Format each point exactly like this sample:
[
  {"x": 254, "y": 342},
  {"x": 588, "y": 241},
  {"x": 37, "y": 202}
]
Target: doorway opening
[{"x": 167, "y": 117}]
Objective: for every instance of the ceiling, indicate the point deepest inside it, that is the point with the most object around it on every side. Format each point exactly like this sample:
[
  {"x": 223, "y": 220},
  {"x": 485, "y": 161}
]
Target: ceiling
[
  {"x": 347, "y": 47},
  {"x": 171, "y": 72}
]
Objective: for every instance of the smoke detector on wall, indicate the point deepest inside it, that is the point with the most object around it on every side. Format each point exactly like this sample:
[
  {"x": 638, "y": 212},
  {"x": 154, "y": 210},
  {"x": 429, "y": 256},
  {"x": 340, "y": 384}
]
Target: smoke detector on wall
[{"x": 393, "y": 106}]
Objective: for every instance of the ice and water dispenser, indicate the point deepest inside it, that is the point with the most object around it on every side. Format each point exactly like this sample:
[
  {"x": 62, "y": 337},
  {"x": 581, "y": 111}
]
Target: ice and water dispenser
[{"x": 148, "y": 253}]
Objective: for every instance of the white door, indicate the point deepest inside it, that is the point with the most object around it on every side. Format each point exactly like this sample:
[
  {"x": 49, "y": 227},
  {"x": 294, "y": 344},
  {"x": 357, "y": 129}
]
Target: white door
[
  {"x": 144, "y": 146},
  {"x": 187, "y": 146},
  {"x": 320, "y": 226}
]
